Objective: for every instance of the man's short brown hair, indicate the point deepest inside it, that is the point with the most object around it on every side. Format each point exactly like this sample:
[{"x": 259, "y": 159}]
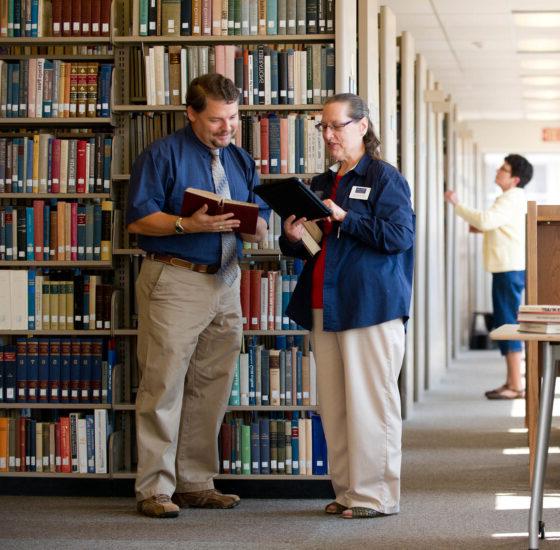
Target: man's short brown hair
[{"x": 215, "y": 86}]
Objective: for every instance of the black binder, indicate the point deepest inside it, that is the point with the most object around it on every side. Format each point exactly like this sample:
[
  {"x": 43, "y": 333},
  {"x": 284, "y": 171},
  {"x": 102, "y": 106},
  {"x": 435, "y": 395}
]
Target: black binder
[{"x": 292, "y": 196}]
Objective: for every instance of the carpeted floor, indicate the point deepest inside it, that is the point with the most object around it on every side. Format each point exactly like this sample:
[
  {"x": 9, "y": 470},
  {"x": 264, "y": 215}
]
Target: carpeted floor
[{"x": 465, "y": 480}]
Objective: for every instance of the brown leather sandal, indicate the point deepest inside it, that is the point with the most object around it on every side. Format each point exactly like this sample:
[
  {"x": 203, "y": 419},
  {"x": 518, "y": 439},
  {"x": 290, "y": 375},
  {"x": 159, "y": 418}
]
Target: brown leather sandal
[
  {"x": 335, "y": 507},
  {"x": 507, "y": 393},
  {"x": 360, "y": 512}
]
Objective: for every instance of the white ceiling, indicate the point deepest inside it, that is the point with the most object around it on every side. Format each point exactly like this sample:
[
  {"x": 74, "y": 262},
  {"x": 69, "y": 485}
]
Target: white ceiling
[{"x": 473, "y": 49}]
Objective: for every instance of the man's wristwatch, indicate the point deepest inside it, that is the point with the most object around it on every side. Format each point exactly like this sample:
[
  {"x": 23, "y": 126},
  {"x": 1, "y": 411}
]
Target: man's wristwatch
[{"x": 179, "y": 229}]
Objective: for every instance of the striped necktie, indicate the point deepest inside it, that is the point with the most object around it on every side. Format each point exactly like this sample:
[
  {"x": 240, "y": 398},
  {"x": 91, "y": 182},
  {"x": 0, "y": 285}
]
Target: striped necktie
[{"x": 229, "y": 268}]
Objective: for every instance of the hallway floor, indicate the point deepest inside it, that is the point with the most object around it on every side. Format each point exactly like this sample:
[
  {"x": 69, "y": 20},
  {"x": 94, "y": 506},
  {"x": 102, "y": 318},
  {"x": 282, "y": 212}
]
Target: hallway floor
[{"x": 465, "y": 486}]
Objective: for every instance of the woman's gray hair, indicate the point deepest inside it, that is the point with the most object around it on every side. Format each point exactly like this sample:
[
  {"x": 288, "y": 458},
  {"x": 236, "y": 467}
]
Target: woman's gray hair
[{"x": 358, "y": 109}]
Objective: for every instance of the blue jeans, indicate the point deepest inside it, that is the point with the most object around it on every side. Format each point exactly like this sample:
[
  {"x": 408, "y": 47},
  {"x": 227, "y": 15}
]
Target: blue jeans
[{"x": 507, "y": 288}]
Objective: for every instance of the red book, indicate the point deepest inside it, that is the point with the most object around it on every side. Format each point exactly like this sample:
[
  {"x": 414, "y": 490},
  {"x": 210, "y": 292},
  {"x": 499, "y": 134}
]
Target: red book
[
  {"x": 255, "y": 299},
  {"x": 76, "y": 17},
  {"x": 73, "y": 231},
  {"x": 245, "y": 292},
  {"x": 32, "y": 357},
  {"x": 246, "y": 212},
  {"x": 38, "y": 210},
  {"x": 66, "y": 18},
  {"x": 86, "y": 17},
  {"x": 22, "y": 444},
  {"x": 55, "y": 166},
  {"x": 95, "y": 17},
  {"x": 265, "y": 168},
  {"x": 57, "y": 457},
  {"x": 225, "y": 441},
  {"x": 105, "y": 17},
  {"x": 81, "y": 166},
  {"x": 65, "y": 464},
  {"x": 57, "y": 17}
]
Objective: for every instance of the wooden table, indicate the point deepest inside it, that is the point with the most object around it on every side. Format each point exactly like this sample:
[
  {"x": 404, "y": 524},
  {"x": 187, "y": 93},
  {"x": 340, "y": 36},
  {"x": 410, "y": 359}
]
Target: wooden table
[{"x": 511, "y": 332}]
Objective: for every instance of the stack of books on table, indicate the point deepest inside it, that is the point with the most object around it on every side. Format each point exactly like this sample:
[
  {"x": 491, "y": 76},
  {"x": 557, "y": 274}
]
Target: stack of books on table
[{"x": 539, "y": 318}]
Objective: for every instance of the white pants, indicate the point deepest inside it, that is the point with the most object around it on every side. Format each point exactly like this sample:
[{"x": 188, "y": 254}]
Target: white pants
[{"x": 359, "y": 402}]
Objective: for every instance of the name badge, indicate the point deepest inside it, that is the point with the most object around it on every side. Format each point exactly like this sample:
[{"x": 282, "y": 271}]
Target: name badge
[{"x": 360, "y": 193}]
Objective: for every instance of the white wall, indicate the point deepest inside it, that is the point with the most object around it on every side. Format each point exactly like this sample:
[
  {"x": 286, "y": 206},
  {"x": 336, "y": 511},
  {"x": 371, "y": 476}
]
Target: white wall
[{"x": 514, "y": 136}]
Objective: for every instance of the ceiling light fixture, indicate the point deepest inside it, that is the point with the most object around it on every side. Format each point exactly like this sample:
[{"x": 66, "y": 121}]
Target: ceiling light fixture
[
  {"x": 540, "y": 64},
  {"x": 536, "y": 18},
  {"x": 539, "y": 45},
  {"x": 541, "y": 94},
  {"x": 541, "y": 80}
]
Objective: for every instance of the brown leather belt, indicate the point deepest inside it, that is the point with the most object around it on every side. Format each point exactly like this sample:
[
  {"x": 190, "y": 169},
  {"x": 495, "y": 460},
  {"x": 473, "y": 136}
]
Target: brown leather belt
[{"x": 179, "y": 262}]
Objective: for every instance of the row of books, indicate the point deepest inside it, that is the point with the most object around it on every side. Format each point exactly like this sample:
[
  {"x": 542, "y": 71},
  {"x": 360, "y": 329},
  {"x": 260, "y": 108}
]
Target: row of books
[
  {"x": 264, "y": 298},
  {"x": 60, "y": 231},
  {"x": 273, "y": 235},
  {"x": 284, "y": 144},
  {"x": 265, "y": 75},
  {"x": 41, "y": 88},
  {"x": 76, "y": 443},
  {"x": 44, "y": 163},
  {"x": 291, "y": 444},
  {"x": 57, "y": 370},
  {"x": 539, "y": 318},
  {"x": 274, "y": 377},
  {"x": 232, "y": 17},
  {"x": 37, "y": 18},
  {"x": 54, "y": 301}
]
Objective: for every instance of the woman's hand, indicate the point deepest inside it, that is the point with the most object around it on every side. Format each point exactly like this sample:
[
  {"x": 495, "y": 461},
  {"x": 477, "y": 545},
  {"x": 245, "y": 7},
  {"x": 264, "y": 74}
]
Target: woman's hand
[
  {"x": 338, "y": 214},
  {"x": 293, "y": 229}
]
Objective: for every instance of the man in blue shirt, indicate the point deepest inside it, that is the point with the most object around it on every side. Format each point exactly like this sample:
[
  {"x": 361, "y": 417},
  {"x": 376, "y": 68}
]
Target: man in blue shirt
[{"x": 189, "y": 328}]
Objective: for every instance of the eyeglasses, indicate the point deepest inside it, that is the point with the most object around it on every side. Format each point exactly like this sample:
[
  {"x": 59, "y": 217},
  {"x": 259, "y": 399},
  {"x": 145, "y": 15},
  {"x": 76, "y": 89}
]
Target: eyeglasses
[{"x": 335, "y": 126}]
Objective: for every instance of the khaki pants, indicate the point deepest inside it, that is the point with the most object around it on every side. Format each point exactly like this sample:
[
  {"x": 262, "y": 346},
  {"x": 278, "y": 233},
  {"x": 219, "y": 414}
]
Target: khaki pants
[
  {"x": 189, "y": 337},
  {"x": 359, "y": 402}
]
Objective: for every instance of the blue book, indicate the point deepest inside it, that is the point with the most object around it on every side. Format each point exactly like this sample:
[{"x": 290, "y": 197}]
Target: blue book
[
  {"x": 235, "y": 396},
  {"x": 96, "y": 369},
  {"x": 44, "y": 369},
  {"x": 85, "y": 371},
  {"x": 264, "y": 432},
  {"x": 285, "y": 301},
  {"x": 10, "y": 374},
  {"x": 29, "y": 166},
  {"x": 32, "y": 370},
  {"x": 104, "y": 90},
  {"x": 17, "y": 18},
  {"x": 293, "y": 282},
  {"x": 54, "y": 370},
  {"x": 290, "y": 399},
  {"x": 282, "y": 362},
  {"x": 65, "y": 369},
  {"x": 31, "y": 321},
  {"x": 9, "y": 72},
  {"x": 299, "y": 379},
  {"x": 30, "y": 233},
  {"x": 256, "y": 78},
  {"x": 90, "y": 443},
  {"x": 111, "y": 362},
  {"x": 295, "y": 443},
  {"x": 319, "y": 446},
  {"x": 34, "y": 18},
  {"x": 21, "y": 369},
  {"x": 265, "y": 377},
  {"x": 300, "y": 123},
  {"x": 255, "y": 447},
  {"x": 75, "y": 367},
  {"x": 272, "y": 17},
  {"x": 97, "y": 224},
  {"x": 274, "y": 143},
  {"x": 274, "y": 89},
  {"x": 252, "y": 375}
]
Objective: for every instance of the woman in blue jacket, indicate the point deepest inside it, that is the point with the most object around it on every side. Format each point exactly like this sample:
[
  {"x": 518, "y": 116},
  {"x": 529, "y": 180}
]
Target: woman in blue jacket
[{"x": 355, "y": 296}]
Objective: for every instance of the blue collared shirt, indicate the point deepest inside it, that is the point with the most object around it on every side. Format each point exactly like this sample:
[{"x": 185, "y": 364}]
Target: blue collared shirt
[
  {"x": 159, "y": 178},
  {"x": 370, "y": 255}
]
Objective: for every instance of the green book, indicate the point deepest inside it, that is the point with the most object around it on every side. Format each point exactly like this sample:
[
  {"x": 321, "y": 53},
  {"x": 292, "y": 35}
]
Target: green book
[
  {"x": 245, "y": 449},
  {"x": 271, "y": 17},
  {"x": 143, "y": 18},
  {"x": 234, "y": 396}
]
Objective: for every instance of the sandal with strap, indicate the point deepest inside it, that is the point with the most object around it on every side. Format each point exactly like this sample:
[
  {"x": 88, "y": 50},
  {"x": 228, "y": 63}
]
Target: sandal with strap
[
  {"x": 360, "y": 512},
  {"x": 507, "y": 393},
  {"x": 335, "y": 507},
  {"x": 496, "y": 390}
]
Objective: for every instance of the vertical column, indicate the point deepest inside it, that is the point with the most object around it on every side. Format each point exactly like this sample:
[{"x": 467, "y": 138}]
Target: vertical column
[
  {"x": 388, "y": 84},
  {"x": 368, "y": 57},
  {"x": 346, "y": 46}
]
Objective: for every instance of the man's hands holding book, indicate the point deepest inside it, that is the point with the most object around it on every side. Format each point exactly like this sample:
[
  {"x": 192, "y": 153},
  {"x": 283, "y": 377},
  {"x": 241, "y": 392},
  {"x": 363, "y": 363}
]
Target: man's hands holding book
[{"x": 200, "y": 222}]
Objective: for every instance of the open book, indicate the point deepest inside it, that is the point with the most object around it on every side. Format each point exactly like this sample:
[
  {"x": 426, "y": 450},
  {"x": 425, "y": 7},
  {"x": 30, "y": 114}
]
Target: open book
[{"x": 246, "y": 212}]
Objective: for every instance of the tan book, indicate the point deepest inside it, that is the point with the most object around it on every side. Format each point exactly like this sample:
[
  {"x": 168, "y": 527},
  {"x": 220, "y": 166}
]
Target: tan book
[
  {"x": 36, "y": 155},
  {"x": 171, "y": 17},
  {"x": 46, "y": 305},
  {"x": 262, "y": 17},
  {"x": 38, "y": 447},
  {"x": 62, "y": 305},
  {"x": 63, "y": 165},
  {"x": 159, "y": 67},
  {"x": 224, "y": 16},
  {"x": 69, "y": 305},
  {"x": 274, "y": 376},
  {"x": 175, "y": 75},
  {"x": 196, "y": 17},
  {"x": 53, "y": 305},
  {"x": 52, "y": 447},
  {"x": 217, "y": 17}
]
